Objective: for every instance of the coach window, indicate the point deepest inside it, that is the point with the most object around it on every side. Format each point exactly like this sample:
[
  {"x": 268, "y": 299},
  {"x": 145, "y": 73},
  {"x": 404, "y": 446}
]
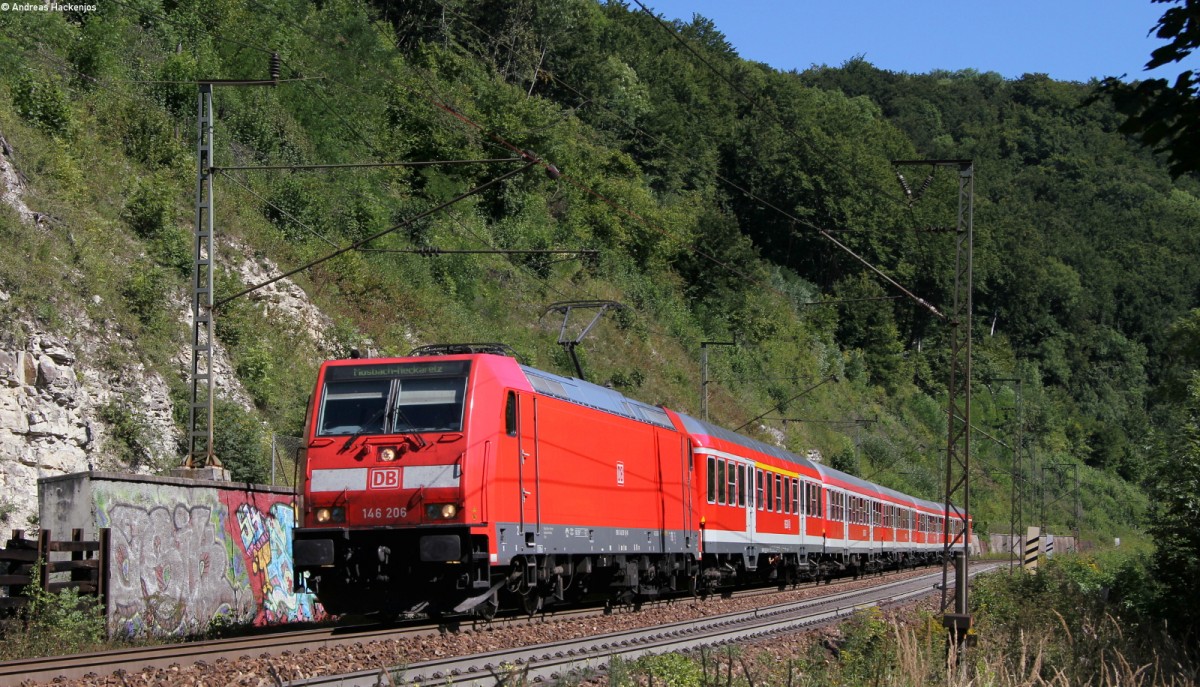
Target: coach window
[
  {"x": 796, "y": 509},
  {"x": 759, "y": 488},
  {"x": 733, "y": 484},
  {"x": 712, "y": 479},
  {"x": 720, "y": 481},
  {"x": 741, "y": 481},
  {"x": 770, "y": 492},
  {"x": 778, "y": 493},
  {"x": 787, "y": 495}
]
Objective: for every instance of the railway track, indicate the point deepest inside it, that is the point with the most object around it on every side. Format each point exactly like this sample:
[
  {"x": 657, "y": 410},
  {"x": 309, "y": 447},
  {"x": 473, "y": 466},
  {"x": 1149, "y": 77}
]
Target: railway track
[
  {"x": 556, "y": 660},
  {"x": 85, "y": 666}
]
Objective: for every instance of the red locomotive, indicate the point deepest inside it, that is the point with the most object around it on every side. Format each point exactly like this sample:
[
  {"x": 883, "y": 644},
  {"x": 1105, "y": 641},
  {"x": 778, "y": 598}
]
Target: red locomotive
[{"x": 464, "y": 481}]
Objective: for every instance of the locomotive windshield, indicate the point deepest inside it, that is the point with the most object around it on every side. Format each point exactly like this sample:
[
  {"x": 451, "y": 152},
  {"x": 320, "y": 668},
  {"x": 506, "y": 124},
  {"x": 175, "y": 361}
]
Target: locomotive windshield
[{"x": 393, "y": 398}]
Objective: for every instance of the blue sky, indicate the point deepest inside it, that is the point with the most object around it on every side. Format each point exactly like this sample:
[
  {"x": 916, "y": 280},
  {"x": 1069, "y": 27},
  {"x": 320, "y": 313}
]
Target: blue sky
[{"x": 1071, "y": 40}]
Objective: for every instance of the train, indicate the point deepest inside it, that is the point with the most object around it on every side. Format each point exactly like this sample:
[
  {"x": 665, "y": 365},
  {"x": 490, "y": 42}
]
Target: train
[{"x": 458, "y": 480}]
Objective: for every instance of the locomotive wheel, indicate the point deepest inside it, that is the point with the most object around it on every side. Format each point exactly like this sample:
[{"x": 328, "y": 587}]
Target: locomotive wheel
[{"x": 531, "y": 602}]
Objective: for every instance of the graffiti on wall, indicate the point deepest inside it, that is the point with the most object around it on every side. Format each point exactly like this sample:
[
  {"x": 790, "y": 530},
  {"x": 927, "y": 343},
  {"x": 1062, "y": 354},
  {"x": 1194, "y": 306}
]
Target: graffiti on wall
[
  {"x": 168, "y": 562},
  {"x": 183, "y": 558},
  {"x": 266, "y": 539}
]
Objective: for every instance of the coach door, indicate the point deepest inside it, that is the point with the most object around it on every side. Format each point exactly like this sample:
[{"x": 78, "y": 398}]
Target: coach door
[
  {"x": 752, "y": 484},
  {"x": 528, "y": 474}
]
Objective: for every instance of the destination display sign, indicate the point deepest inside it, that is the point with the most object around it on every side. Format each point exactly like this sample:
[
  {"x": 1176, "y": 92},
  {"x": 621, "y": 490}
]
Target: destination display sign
[{"x": 450, "y": 368}]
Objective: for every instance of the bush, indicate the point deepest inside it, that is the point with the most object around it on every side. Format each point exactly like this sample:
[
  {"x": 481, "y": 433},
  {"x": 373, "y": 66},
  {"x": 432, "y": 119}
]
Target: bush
[
  {"x": 53, "y": 625},
  {"x": 126, "y": 445},
  {"x": 240, "y": 444},
  {"x": 150, "y": 211},
  {"x": 41, "y": 102}
]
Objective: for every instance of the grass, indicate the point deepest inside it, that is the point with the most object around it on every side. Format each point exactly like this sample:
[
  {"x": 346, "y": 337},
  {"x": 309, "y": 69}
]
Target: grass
[{"x": 1072, "y": 624}]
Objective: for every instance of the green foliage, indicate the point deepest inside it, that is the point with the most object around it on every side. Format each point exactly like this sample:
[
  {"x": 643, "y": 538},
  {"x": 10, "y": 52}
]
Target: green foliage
[
  {"x": 1175, "y": 495},
  {"x": 41, "y": 101},
  {"x": 53, "y": 625},
  {"x": 151, "y": 207},
  {"x": 128, "y": 436},
  {"x": 1165, "y": 115},
  {"x": 867, "y": 652},
  {"x": 7, "y": 508},
  {"x": 669, "y": 670},
  {"x": 1085, "y": 247},
  {"x": 240, "y": 443},
  {"x": 1082, "y": 616}
]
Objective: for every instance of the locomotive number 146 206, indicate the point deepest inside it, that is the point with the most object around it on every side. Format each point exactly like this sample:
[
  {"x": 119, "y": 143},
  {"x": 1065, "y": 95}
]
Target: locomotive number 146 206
[{"x": 383, "y": 513}]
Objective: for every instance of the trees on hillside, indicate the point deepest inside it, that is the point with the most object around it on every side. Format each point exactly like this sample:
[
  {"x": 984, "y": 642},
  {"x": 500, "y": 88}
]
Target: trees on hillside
[{"x": 1165, "y": 115}]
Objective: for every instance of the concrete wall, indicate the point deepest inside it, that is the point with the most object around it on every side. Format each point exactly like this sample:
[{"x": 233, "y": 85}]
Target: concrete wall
[
  {"x": 185, "y": 552},
  {"x": 1001, "y": 543}
]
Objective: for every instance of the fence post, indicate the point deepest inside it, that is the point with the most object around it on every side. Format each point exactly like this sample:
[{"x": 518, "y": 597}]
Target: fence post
[
  {"x": 43, "y": 559},
  {"x": 102, "y": 571}
]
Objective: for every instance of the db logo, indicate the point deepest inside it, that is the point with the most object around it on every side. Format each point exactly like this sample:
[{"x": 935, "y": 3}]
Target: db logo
[{"x": 385, "y": 478}]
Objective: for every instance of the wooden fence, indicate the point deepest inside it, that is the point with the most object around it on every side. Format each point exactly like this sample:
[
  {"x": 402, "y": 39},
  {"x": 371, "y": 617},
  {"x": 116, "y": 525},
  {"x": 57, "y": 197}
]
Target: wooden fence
[{"x": 86, "y": 570}]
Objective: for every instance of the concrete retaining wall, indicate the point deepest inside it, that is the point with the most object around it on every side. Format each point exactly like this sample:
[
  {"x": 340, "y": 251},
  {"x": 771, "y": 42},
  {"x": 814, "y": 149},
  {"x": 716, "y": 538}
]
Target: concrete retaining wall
[{"x": 184, "y": 552}]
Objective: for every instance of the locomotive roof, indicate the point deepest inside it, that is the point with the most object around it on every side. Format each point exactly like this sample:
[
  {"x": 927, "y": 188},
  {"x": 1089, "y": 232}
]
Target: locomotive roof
[{"x": 595, "y": 396}]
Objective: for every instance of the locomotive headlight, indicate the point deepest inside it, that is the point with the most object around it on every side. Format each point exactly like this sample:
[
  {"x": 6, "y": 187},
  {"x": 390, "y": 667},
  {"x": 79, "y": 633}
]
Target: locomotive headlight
[
  {"x": 441, "y": 511},
  {"x": 326, "y": 516},
  {"x": 387, "y": 454}
]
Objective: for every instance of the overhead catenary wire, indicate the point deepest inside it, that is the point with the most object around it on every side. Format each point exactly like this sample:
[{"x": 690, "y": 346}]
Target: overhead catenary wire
[
  {"x": 282, "y": 211},
  {"x": 521, "y": 270},
  {"x": 361, "y": 242},
  {"x": 458, "y": 115},
  {"x": 454, "y": 112},
  {"x": 787, "y": 129},
  {"x": 362, "y": 165},
  {"x": 777, "y": 406},
  {"x": 907, "y": 293},
  {"x": 823, "y": 231}
]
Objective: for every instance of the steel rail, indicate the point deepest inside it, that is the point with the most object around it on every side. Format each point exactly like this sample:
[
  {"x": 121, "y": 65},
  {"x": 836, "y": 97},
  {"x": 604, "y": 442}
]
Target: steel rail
[
  {"x": 557, "y": 660},
  {"x": 48, "y": 669}
]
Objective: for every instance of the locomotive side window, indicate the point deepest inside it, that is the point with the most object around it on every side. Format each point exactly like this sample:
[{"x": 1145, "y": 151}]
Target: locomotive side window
[{"x": 510, "y": 414}]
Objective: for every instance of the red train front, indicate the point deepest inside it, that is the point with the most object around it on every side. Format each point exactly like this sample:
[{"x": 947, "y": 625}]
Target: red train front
[{"x": 465, "y": 482}]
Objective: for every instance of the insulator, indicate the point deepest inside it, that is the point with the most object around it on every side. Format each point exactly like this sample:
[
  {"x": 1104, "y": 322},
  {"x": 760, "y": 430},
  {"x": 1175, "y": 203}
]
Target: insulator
[
  {"x": 925, "y": 184},
  {"x": 904, "y": 185},
  {"x": 552, "y": 172},
  {"x": 276, "y": 66}
]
